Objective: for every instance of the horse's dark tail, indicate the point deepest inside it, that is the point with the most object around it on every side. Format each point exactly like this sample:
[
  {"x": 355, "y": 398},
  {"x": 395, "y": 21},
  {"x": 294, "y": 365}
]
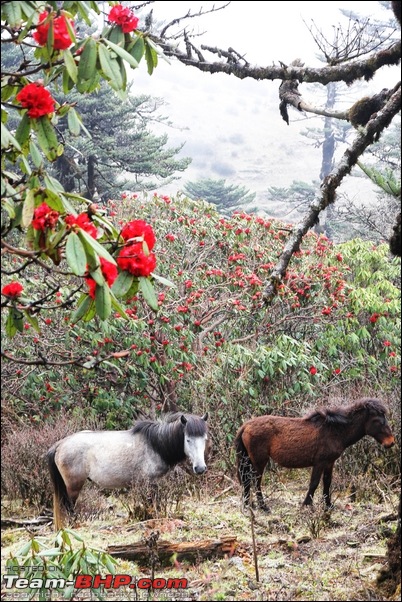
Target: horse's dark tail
[
  {"x": 245, "y": 469},
  {"x": 61, "y": 500}
]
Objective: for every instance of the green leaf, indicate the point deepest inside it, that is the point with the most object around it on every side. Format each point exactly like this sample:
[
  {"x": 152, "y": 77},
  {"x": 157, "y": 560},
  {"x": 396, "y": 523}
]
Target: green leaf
[
  {"x": 137, "y": 49},
  {"x": 28, "y": 208},
  {"x": 84, "y": 308},
  {"x": 122, "y": 53},
  {"x": 116, "y": 305},
  {"x": 11, "y": 328},
  {"x": 32, "y": 321},
  {"x": 87, "y": 66},
  {"x": 75, "y": 255},
  {"x": 122, "y": 284},
  {"x": 148, "y": 291},
  {"x": 74, "y": 123},
  {"x": 11, "y": 12},
  {"x": 70, "y": 64},
  {"x": 53, "y": 185},
  {"x": 89, "y": 241},
  {"x": 110, "y": 68},
  {"x": 8, "y": 139},
  {"x": 30, "y": 13},
  {"x": 116, "y": 35},
  {"x": 97, "y": 275},
  {"x": 35, "y": 154},
  {"x": 23, "y": 129},
  {"x": 67, "y": 83},
  {"x": 47, "y": 137},
  {"x": 103, "y": 301},
  {"x": 50, "y": 552},
  {"x": 71, "y": 31},
  {"x": 163, "y": 280},
  {"x": 151, "y": 57},
  {"x": 9, "y": 206}
]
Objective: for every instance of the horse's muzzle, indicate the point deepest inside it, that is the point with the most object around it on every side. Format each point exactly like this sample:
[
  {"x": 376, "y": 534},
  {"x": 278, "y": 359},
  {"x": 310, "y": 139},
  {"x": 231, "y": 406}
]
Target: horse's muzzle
[
  {"x": 199, "y": 469},
  {"x": 388, "y": 442}
]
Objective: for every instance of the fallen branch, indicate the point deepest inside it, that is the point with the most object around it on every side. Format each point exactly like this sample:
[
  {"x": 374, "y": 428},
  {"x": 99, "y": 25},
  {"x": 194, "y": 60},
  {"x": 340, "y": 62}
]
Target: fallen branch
[
  {"x": 12, "y": 522},
  {"x": 187, "y": 550}
]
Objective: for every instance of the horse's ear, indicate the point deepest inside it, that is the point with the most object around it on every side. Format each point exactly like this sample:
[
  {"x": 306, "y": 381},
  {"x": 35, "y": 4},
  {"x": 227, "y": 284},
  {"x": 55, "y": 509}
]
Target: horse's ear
[
  {"x": 183, "y": 419},
  {"x": 205, "y": 417}
]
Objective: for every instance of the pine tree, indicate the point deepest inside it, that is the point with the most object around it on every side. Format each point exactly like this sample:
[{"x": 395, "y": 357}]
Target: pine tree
[
  {"x": 120, "y": 152},
  {"x": 227, "y": 197}
]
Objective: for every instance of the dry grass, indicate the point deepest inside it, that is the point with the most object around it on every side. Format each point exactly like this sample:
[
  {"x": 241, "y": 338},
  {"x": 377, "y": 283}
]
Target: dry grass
[{"x": 303, "y": 554}]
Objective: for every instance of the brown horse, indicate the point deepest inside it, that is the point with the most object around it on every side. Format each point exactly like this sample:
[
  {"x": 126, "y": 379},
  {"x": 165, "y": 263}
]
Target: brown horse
[{"x": 317, "y": 440}]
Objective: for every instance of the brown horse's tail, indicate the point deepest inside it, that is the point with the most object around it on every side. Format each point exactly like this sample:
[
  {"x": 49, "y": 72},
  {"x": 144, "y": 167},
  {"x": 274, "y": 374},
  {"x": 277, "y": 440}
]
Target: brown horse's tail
[
  {"x": 61, "y": 501},
  {"x": 243, "y": 463}
]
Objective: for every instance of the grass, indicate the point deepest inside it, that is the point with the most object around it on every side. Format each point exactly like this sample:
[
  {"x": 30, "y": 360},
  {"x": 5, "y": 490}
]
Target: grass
[{"x": 303, "y": 553}]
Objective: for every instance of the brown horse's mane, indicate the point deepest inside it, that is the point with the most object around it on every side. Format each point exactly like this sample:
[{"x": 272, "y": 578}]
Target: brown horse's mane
[{"x": 339, "y": 415}]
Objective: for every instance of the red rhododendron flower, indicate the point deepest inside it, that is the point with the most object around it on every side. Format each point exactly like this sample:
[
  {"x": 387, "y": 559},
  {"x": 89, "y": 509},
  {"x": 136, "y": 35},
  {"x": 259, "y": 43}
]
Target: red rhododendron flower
[
  {"x": 82, "y": 221},
  {"x": 313, "y": 370},
  {"x": 14, "y": 289},
  {"x": 374, "y": 318},
  {"x": 44, "y": 217},
  {"x": 123, "y": 16},
  {"x": 139, "y": 229},
  {"x": 36, "y": 99},
  {"x": 61, "y": 35},
  {"x": 109, "y": 272},
  {"x": 133, "y": 259}
]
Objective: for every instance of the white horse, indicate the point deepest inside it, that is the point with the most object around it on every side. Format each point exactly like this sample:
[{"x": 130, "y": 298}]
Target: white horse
[{"x": 118, "y": 459}]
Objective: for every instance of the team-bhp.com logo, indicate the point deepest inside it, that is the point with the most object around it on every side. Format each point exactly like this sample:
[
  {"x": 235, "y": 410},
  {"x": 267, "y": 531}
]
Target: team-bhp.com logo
[{"x": 93, "y": 582}]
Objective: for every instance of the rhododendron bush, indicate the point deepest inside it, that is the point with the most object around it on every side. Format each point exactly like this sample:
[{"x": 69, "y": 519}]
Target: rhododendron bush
[{"x": 212, "y": 341}]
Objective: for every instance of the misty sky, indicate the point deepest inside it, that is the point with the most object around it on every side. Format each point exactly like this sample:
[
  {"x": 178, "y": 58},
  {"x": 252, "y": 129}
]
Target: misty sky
[{"x": 232, "y": 128}]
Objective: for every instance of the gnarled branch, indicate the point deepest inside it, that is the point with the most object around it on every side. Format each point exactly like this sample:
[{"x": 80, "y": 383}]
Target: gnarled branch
[{"x": 365, "y": 138}]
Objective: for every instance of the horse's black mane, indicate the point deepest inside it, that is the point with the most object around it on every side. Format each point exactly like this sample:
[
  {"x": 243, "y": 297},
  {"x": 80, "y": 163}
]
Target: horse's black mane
[
  {"x": 336, "y": 416},
  {"x": 166, "y": 436}
]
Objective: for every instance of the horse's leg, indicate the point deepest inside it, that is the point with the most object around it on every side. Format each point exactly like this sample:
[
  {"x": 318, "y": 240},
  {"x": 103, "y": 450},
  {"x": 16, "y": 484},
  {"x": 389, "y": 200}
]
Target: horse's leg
[
  {"x": 314, "y": 482},
  {"x": 326, "y": 479},
  {"x": 260, "y": 498},
  {"x": 245, "y": 474}
]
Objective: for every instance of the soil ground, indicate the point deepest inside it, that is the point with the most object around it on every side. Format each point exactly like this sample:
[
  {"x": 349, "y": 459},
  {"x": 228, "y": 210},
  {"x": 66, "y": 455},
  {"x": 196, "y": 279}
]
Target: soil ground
[{"x": 300, "y": 553}]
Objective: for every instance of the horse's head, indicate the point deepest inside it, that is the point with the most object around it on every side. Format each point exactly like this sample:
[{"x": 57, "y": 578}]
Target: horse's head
[
  {"x": 377, "y": 426},
  {"x": 195, "y": 438}
]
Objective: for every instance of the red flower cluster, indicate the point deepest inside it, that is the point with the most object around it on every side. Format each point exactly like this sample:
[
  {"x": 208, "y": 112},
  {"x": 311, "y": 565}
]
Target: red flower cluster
[
  {"x": 124, "y": 17},
  {"x": 313, "y": 370},
  {"x": 14, "y": 289},
  {"x": 36, "y": 99},
  {"x": 374, "y": 318},
  {"x": 109, "y": 272},
  {"x": 61, "y": 35},
  {"x": 82, "y": 221},
  {"x": 138, "y": 231},
  {"x": 44, "y": 217},
  {"x": 133, "y": 259}
]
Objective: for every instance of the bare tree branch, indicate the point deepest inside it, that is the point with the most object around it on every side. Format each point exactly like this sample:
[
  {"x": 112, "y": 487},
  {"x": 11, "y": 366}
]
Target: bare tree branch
[{"x": 329, "y": 186}]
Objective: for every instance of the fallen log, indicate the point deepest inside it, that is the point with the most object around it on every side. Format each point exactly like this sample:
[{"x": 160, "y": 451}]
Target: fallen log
[{"x": 186, "y": 550}]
